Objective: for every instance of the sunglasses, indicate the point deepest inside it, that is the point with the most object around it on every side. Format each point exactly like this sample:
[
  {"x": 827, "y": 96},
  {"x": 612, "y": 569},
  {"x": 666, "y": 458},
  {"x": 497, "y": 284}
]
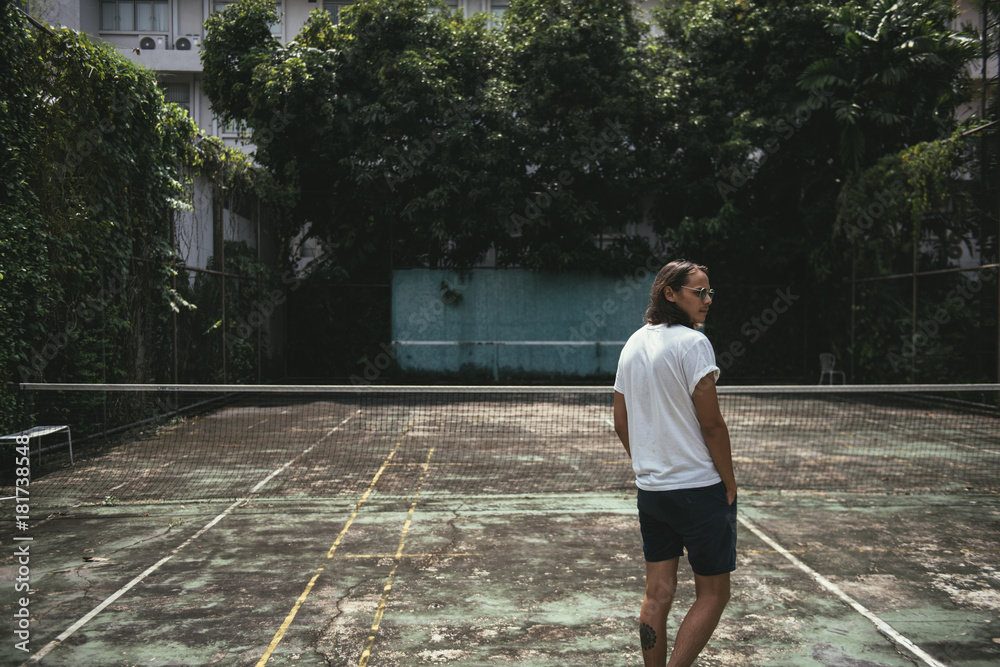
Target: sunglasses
[{"x": 702, "y": 292}]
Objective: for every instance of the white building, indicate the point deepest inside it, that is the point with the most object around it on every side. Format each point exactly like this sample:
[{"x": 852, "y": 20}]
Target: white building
[{"x": 165, "y": 35}]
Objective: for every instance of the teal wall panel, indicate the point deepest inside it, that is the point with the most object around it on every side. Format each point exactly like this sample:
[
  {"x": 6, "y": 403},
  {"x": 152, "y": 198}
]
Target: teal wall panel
[{"x": 514, "y": 324}]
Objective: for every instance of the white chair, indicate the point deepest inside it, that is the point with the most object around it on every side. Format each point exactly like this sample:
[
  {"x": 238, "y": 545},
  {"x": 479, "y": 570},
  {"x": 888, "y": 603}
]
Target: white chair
[{"x": 827, "y": 361}]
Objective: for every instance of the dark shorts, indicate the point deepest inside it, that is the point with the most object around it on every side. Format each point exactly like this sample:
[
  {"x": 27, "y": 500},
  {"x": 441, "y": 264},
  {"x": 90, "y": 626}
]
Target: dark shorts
[{"x": 698, "y": 520}]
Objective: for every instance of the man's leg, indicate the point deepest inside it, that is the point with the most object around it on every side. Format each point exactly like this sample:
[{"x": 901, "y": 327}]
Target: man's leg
[
  {"x": 712, "y": 595},
  {"x": 661, "y": 584}
]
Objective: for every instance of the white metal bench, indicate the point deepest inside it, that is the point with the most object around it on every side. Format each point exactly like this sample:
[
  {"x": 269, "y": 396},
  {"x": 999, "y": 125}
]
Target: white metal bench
[{"x": 39, "y": 432}]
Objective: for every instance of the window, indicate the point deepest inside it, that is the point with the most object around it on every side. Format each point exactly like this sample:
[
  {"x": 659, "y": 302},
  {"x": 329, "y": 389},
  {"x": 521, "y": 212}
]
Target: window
[
  {"x": 497, "y": 9},
  {"x": 219, "y": 5},
  {"x": 494, "y": 8},
  {"x": 134, "y": 15},
  {"x": 333, "y": 8},
  {"x": 451, "y": 6},
  {"x": 179, "y": 94},
  {"x": 235, "y": 128}
]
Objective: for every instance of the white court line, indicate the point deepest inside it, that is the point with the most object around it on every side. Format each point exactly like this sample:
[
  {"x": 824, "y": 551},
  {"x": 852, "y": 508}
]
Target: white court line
[
  {"x": 45, "y": 650},
  {"x": 884, "y": 627}
]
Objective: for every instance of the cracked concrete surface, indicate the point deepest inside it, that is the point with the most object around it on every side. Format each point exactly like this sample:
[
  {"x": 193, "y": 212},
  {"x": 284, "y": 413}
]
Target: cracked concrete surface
[{"x": 494, "y": 580}]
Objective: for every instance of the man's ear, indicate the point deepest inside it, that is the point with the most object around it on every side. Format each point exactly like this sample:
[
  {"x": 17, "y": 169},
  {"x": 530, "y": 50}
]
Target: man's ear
[{"x": 668, "y": 294}]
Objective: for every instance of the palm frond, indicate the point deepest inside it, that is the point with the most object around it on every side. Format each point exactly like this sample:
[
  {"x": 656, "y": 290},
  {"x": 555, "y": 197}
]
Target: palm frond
[
  {"x": 846, "y": 111},
  {"x": 886, "y": 118}
]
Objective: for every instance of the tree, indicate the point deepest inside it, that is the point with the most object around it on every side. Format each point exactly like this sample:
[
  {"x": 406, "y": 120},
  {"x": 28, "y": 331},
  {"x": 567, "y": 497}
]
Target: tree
[
  {"x": 758, "y": 181},
  {"x": 896, "y": 78},
  {"x": 765, "y": 126},
  {"x": 382, "y": 123},
  {"x": 410, "y": 128},
  {"x": 405, "y": 132},
  {"x": 929, "y": 322},
  {"x": 581, "y": 91}
]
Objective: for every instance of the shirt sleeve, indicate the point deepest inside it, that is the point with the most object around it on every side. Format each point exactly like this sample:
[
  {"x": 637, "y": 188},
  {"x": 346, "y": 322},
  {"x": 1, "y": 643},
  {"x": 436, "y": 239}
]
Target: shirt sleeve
[{"x": 699, "y": 362}]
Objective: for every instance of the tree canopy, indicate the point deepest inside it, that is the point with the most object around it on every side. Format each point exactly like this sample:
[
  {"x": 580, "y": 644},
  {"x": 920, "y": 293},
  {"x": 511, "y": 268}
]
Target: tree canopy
[
  {"x": 418, "y": 137},
  {"x": 780, "y": 104},
  {"x": 427, "y": 139}
]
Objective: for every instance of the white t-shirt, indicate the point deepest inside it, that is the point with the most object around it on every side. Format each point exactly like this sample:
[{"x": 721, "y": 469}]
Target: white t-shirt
[{"x": 658, "y": 370}]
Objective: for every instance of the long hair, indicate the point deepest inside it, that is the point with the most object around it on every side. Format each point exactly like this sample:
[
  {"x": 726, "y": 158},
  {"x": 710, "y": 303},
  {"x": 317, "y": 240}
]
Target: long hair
[{"x": 673, "y": 275}]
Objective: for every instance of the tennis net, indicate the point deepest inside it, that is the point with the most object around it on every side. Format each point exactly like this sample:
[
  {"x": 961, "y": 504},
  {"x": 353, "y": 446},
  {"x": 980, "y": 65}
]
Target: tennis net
[{"x": 146, "y": 443}]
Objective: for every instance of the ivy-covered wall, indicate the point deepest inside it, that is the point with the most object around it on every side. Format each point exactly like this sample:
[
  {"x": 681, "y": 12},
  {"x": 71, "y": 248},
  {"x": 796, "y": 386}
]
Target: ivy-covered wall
[
  {"x": 95, "y": 166},
  {"x": 21, "y": 238}
]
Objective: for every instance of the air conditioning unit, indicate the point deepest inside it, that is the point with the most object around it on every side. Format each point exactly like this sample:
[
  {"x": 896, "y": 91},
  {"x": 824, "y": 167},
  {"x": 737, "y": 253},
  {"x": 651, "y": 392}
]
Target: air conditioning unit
[
  {"x": 187, "y": 42},
  {"x": 151, "y": 42}
]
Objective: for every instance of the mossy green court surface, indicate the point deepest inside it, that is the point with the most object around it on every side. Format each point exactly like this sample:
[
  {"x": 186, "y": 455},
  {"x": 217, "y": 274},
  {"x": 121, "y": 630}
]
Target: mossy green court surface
[{"x": 409, "y": 542}]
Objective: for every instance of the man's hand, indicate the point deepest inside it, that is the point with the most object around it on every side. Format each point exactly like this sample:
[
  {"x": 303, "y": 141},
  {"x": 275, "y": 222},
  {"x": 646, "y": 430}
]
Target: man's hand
[{"x": 731, "y": 493}]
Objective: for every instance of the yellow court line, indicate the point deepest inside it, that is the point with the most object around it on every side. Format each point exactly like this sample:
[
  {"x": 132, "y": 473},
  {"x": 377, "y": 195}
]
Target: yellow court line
[
  {"x": 367, "y": 493},
  {"x": 280, "y": 634},
  {"x": 434, "y": 465},
  {"x": 45, "y": 650},
  {"x": 440, "y": 555},
  {"x": 387, "y": 589}
]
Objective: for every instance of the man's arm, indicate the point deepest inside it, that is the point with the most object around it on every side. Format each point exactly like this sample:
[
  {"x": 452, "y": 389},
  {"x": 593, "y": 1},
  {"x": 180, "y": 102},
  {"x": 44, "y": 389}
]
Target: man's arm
[
  {"x": 621, "y": 421},
  {"x": 715, "y": 431}
]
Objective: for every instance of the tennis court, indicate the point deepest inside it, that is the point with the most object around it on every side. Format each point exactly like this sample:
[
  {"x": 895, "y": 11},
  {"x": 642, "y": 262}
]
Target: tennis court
[{"x": 433, "y": 526}]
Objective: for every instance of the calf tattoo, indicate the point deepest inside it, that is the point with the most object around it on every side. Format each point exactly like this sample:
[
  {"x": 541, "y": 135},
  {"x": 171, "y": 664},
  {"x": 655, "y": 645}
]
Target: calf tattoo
[{"x": 647, "y": 636}]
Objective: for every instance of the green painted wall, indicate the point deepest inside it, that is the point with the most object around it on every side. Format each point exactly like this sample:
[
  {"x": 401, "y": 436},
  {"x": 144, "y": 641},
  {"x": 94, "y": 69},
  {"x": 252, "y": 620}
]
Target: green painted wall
[{"x": 510, "y": 324}]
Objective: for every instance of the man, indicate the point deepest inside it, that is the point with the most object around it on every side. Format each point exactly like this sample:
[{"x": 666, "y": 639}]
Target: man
[{"x": 667, "y": 416}]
